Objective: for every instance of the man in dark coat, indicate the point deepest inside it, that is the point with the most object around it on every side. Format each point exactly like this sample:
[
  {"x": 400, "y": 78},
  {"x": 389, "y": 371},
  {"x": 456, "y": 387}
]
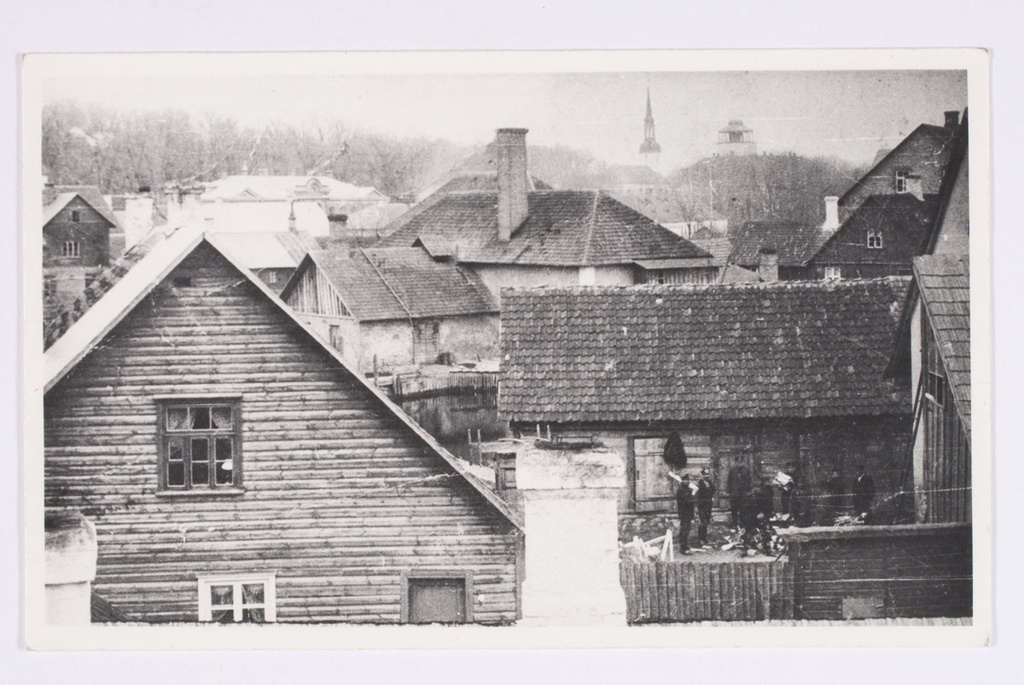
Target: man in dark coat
[
  {"x": 863, "y": 490},
  {"x": 738, "y": 484},
  {"x": 684, "y": 505},
  {"x": 705, "y": 496}
]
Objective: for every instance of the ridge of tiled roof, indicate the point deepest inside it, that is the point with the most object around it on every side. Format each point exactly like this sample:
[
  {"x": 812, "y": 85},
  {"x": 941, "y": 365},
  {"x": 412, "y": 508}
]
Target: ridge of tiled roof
[
  {"x": 944, "y": 284},
  {"x": 711, "y": 352},
  {"x": 794, "y": 242},
  {"x": 91, "y": 195},
  {"x": 563, "y": 228}
]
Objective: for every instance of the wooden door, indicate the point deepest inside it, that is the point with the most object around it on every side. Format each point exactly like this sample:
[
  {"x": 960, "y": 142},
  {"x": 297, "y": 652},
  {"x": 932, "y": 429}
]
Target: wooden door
[{"x": 653, "y": 490}]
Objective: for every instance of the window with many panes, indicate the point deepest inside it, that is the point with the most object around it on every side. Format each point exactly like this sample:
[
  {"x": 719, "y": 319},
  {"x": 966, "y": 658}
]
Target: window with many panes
[
  {"x": 200, "y": 445},
  {"x": 901, "y": 180},
  {"x": 70, "y": 248},
  {"x": 237, "y": 599},
  {"x": 874, "y": 240}
]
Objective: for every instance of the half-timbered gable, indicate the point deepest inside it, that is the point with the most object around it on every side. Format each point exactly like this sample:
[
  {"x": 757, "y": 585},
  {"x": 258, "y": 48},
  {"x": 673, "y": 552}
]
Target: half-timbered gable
[{"x": 239, "y": 470}]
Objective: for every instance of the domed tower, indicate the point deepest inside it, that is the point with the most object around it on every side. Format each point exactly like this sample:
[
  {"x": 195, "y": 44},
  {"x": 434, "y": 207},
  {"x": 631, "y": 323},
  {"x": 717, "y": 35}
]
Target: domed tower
[{"x": 649, "y": 149}]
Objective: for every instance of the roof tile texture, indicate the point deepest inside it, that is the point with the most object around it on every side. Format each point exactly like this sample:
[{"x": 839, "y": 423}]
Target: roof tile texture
[{"x": 670, "y": 353}]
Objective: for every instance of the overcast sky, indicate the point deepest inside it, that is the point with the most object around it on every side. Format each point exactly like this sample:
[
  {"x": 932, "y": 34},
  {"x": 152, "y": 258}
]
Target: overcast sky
[{"x": 850, "y": 114}]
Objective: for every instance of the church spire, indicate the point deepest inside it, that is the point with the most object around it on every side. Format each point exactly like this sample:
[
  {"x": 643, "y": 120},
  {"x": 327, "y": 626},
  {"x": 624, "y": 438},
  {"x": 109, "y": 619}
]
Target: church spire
[{"x": 649, "y": 149}]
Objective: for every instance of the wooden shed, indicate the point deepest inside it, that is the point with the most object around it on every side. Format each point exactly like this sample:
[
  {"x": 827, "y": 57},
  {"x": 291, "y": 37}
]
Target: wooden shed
[{"x": 238, "y": 469}]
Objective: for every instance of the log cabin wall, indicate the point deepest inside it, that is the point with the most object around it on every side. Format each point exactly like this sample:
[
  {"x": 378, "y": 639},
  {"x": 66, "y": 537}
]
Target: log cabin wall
[{"x": 338, "y": 499}]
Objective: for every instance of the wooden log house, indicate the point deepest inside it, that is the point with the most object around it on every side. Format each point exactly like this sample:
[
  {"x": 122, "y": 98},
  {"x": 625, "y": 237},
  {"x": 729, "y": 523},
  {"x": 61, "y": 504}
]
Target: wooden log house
[{"x": 238, "y": 469}]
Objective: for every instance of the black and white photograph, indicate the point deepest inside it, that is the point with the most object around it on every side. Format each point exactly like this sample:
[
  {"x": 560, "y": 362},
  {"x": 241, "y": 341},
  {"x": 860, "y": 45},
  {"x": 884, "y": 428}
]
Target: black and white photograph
[{"x": 671, "y": 345}]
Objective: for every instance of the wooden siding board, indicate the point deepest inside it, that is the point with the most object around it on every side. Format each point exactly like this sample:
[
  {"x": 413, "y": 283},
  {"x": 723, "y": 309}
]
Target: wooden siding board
[{"x": 332, "y": 486}]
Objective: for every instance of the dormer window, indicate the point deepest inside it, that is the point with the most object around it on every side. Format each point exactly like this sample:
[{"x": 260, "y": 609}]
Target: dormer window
[
  {"x": 874, "y": 240},
  {"x": 901, "y": 180}
]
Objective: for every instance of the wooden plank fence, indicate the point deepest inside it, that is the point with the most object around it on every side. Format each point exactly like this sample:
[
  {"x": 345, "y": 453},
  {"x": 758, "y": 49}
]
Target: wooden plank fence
[
  {"x": 471, "y": 383},
  {"x": 676, "y": 591}
]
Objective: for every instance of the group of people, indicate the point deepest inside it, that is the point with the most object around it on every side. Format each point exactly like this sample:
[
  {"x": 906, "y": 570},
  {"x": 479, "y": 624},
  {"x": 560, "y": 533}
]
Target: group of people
[{"x": 752, "y": 505}]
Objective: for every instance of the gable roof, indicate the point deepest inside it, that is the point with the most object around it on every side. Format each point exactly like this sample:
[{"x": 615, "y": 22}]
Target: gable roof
[
  {"x": 259, "y": 250},
  {"x": 386, "y": 284},
  {"x": 941, "y": 133},
  {"x": 944, "y": 285},
  {"x": 902, "y": 216},
  {"x": 91, "y": 195},
  {"x": 137, "y": 284},
  {"x": 795, "y": 243},
  {"x": 563, "y": 228},
  {"x": 714, "y": 352}
]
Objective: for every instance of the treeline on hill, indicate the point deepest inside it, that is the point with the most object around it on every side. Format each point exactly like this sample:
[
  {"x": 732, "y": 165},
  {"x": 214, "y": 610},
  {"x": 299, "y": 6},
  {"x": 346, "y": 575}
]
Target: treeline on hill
[
  {"x": 786, "y": 187},
  {"x": 121, "y": 152}
]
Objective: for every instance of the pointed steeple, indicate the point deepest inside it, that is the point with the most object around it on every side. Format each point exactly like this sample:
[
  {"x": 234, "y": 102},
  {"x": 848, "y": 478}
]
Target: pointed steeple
[{"x": 649, "y": 149}]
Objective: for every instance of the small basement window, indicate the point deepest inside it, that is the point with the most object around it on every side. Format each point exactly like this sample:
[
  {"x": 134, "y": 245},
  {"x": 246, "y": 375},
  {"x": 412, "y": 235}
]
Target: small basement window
[
  {"x": 437, "y": 597},
  {"x": 237, "y": 599},
  {"x": 70, "y": 248},
  {"x": 874, "y": 240},
  {"x": 200, "y": 445}
]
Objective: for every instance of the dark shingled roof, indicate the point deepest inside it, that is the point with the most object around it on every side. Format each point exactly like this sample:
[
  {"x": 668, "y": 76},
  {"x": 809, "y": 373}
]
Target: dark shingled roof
[
  {"x": 672, "y": 353},
  {"x": 795, "y": 243},
  {"x": 944, "y": 284},
  {"x": 483, "y": 180},
  {"x": 384, "y": 284},
  {"x": 904, "y": 220},
  {"x": 563, "y": 228}
]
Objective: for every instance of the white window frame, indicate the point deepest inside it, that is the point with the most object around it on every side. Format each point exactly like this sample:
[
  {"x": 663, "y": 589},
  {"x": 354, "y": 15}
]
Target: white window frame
[
  {"x": 875, "y": 240},
  {"x": 902, "y": 175},
  {"x": 269, "y": 606},
  {"x": 833, "y": 273}
]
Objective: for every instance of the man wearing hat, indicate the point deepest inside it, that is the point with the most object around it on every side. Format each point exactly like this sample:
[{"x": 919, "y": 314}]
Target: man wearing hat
[{"x": 705, "y": 497}]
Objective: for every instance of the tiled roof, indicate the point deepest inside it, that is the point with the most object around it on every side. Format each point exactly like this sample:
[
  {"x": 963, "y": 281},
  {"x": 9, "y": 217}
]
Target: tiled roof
[
  {"x": 945, "y": 286},
  {"x": 483, "y": 180},
  {"x": 384, "y": 284},
  {"x": 670, "y": 353},
  {"x": 563, "y": 228},
  {"x": 795, "y": 243},
  {"x": 904, "y": 220},
  {"x": 90, "y": 194}
]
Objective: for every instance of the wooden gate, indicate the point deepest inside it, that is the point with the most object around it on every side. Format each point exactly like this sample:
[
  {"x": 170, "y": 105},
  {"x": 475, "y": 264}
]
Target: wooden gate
[{"x": 678, "y": 591}]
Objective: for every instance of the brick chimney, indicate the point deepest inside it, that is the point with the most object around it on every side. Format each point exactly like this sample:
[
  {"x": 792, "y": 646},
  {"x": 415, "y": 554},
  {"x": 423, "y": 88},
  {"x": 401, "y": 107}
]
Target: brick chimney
[
  {"x": 831, "y": 214},
  {"x": 768, "y": 265},
  {"x": 952, "y": 119},
  {"x": 513, "y": 180}
]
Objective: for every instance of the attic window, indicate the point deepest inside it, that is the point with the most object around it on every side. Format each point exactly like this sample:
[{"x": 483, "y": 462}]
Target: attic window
[
  {"x": 874, "y": 240},
  {"x": 182, "y": 281},
  {"x": 901, "y": 180},
  {"x": 200, "y": 445},
  {"x": 76, "y": 216}
]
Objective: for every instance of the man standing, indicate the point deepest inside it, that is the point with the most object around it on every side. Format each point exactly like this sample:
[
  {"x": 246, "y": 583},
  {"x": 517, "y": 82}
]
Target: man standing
[
  {"x": 705, "y": 495},
  {"x": 863, "y": 492},
  {"x": 738, "y": 484},
  {"x": 684, "y": 505}
]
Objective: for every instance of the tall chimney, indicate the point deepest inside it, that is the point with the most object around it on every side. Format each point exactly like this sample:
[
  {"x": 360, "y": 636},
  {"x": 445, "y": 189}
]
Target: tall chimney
[
  {"x": 831, "y": 214},
  {"x": 952, "y": 119},
  {"x": 513, "y": 180},
  {"x": 768, "y": 265}
]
